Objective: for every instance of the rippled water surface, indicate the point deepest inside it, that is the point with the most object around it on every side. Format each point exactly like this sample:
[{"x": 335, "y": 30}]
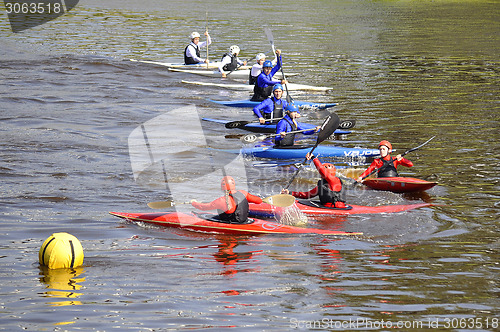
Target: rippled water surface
[{"x": 72, "y": 106}]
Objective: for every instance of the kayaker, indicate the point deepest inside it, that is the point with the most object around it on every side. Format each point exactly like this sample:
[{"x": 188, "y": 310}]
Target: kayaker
[
  {"x": 257, "y": 68},
  {"x": 264, "y": 85},
  {"x": 330, "y": 188},
  {"x": 289, "y": 123},
  {"x": 192, "y": 53},
  {"x": 233, "y": 206},
  {"x": 385, "y": 165},
  {"x": 271, "y": 108},
  {"x": 230, "y": 61}
]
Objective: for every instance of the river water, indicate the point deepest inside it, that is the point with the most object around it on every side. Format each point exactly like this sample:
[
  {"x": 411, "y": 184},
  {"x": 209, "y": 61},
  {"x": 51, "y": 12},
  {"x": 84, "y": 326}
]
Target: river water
[{"x": 72, "y": 105}]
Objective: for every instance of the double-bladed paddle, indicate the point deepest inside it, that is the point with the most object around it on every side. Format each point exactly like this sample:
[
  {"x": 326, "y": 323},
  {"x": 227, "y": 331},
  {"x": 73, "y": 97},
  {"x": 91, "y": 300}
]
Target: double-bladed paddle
[
  {"x": 251, "y": 138},
  {"x": 344, "y": 124},
  {"x": 239, "y": 124},
  {"x": 327, "y": 128},
  {"x": 403, "y": 154},
  {"x": 279, "y": 200}
]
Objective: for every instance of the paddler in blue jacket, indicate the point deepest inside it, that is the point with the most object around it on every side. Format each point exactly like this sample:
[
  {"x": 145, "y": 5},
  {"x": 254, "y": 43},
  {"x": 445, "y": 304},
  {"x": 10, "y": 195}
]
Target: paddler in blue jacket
[
  {"x": 271, "y": 108},
  {"x": 233, "y": 206},
  {"x": 289, "y": 123},
  {"x": 264, "y": 85},
  {"x": 192, "y": 53}
]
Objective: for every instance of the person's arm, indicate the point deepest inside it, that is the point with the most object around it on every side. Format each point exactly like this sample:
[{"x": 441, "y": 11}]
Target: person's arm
[
  {"x": 226, "y": 60},
  {"x": 261, "y": 107},
  {"x": 403, "y": 161},
  {"x": 252, "y": 198},
  {"x": 370, "y": 169},
  {"x": 217, "y": 204},
  {"x": 305, "y": 194}
]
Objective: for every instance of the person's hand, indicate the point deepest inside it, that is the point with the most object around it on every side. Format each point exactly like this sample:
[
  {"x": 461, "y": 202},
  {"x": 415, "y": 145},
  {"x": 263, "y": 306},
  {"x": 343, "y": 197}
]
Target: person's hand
[
  {"x": 206, "y": 33},
  {"x": 284, "y": 82},
  {"x": 283, "y": 134},
  {"x": 206, "y": 61},
  {"x": 359, "y": 179},
  {"x": 262, "y": 120},
  {"x": 278, "y": 52},
  {"x": 244, "y": 63},
  {"x": 224, "y": 75},
  {"x": 399, "y": 157},
  {"x": 285, "y": 191},
  {"x": 309, "y": 156},
  {"x": 317, "y": 128}
]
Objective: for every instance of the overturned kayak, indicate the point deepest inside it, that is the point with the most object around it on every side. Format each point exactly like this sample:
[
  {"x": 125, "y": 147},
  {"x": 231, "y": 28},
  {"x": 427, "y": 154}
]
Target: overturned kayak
[
  {"x": 256, "y": 127},
  {"x": 315, "y": 208},
  {"x": 239, "y": 87},
  {"x": 399, "y": 184},
  {"x": 250, "y": 103},
  {"x": 208, "y": 223},
  {"x": 300, "y": 151}
]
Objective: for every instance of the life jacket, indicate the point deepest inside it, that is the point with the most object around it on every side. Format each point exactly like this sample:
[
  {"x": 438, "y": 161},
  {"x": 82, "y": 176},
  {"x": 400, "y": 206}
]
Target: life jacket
[
  {"x": 233, "y": 65},
  {"x": 326, "y": 195},
  {"x": 251, "y": 79},
  {"x": 240, "y": 215},
  {"x": 260, "y": 93},
  {"x": 189, "y": 60},
  {"x": 277, "y": 111},
  {"x": 289, "y": 139},
  {"x": 387, "y": 169}
]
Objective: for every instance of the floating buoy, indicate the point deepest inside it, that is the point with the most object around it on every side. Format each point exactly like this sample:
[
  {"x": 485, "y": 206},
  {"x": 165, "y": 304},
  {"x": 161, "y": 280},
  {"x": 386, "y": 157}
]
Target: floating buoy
[{"x": 61, "y": 251}]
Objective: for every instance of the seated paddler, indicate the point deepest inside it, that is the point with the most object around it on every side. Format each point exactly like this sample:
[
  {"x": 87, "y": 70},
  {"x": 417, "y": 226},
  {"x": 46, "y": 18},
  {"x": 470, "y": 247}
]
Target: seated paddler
[
  {"x": 233, "y": 207},
  {"x": 272, "y": 108}
]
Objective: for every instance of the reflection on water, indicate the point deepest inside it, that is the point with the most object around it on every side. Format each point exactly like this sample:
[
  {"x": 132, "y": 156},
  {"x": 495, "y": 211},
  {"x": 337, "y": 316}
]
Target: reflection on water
[{"x": 62, "y": 284}]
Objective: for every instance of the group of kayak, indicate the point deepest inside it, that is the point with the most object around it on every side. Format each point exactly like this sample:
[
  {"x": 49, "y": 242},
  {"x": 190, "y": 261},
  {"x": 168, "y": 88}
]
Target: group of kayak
[{"x": 235, "y": 207}]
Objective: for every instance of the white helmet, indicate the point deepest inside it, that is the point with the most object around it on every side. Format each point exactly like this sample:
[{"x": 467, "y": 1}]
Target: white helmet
[
  {"x": 260, "y": 56},
  {"x": 194, "y": 35},
  {"x": 234, "y": 49}
]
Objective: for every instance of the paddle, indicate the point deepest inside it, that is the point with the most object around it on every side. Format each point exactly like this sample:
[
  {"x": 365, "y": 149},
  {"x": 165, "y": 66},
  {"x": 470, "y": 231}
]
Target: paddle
[
  {"x": 345, "y": 124},
  {"x": 239, "y": 124},
  {"x": 327, "y": 128},
  {"x": 206, "y": 30},
  {"x": 279, "y": 200},
  {"x": 250, "y": 138},
  {"x": 270, "y": 37},
  {"x": 403, "y": 154}
]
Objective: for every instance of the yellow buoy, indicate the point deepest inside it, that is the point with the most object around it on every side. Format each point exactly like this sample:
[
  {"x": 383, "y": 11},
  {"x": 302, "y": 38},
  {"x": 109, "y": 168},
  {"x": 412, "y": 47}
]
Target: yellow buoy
[{"x": 61, "y": 251}]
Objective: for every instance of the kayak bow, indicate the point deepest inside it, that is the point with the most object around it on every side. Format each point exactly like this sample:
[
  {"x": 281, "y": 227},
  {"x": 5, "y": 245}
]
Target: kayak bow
[{"x": 399, "y": 184}]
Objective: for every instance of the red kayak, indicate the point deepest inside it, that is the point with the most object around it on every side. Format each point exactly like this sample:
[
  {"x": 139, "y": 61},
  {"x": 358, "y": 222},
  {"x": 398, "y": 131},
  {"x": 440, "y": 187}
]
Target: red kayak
[
  {"x": 207, "y": 222},
  {"x": 315, "y": 208},
  {"x": 399, "y": 184}
]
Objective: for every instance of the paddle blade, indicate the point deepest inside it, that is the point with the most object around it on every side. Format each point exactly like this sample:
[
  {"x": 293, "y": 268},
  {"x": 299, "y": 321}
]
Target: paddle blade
[
  {"x": 328, "y": 127},
  {"x": 347, "y": 124},
  {"x": 236, "y": 124},
  {"x": 161, "y": 204},
  {"x": 280, "y": 200},
  {"x": 269, "y": 35}
]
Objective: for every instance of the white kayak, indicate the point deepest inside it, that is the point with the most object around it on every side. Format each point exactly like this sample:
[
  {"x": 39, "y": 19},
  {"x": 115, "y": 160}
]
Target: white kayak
[
  {"x": 239, "y": 73},
  {"x": 247, "y": 87},
  {"x": 180, "y": 65}
]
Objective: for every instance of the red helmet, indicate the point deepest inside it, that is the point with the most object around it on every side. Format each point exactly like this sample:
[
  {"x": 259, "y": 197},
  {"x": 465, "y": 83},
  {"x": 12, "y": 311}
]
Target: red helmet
[
  {"x": 385, "y": 143},
  {"x": 330, "y": 168},
  {"x": 227, "y": 183}
]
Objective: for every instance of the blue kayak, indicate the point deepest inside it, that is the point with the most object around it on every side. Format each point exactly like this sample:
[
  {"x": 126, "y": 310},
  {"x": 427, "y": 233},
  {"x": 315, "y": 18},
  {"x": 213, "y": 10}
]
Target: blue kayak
[
  {"x": 256, "y": 127},
  {"x": 249, "y": 103},
  {"x": 300, "y": 151}
]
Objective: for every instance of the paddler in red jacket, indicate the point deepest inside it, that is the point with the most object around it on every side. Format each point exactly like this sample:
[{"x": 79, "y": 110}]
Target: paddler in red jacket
[
  {"x": 233, "y": 206},
  {"x": 329, "y": 189},
  {"x": 386, "y": 165}
]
